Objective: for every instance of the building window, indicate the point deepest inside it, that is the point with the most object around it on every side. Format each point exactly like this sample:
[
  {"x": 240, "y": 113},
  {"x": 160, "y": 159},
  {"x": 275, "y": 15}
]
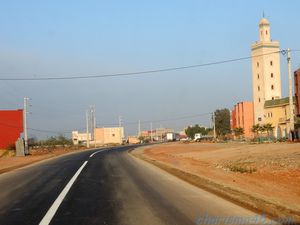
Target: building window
[
  {"x": 271, "y": 63},
  {"x": 272, "y": 98},
  {"x": 272, "y": 75},
  {"x": 258, "y": 76},
  {"x": 258, "y": 88},
  {"x": 266, "y": 32},
  {"x": 271, "y": 114},
  {"x": 272, "y": 87},
  {"x": 113, "y": 135},
  {"x": 258, "y": 99},
  {"x": 257, "y": 64}
]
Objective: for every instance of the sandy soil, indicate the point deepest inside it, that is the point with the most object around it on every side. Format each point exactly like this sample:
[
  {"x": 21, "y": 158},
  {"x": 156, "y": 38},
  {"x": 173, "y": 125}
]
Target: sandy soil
[
  {"x": 270, "y": 172},
  {"x": 8, "y": 160}
]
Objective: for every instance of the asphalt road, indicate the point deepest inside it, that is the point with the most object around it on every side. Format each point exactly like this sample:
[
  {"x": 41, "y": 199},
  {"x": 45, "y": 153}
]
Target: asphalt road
[{"x": 112, "y": 187}]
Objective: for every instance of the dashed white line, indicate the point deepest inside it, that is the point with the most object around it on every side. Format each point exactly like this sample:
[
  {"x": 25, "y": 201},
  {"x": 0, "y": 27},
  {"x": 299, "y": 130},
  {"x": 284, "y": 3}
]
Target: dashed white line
[
  {"x": 52, "y": 210},
  {"x": 97, "y": 152}
]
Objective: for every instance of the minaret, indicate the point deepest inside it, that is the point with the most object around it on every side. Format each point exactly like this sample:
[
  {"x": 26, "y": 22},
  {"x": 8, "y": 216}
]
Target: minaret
[{"x": 266, "y": 80}]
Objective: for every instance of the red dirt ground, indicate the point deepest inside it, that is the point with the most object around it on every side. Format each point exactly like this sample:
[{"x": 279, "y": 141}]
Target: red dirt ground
[{"x": 271, "y": 171}]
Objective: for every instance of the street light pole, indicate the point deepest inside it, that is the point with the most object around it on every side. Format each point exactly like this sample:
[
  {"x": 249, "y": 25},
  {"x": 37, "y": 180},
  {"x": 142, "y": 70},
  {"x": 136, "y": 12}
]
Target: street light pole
[
  {"x": 25, "y": 125},
  {"x": 87, "y": 130},
  {"x": 291, "y": 102},
  {"x": 214, "y": 121},
  {"x": 139, "y": 128},
  {"x": 151, "y": 132}
]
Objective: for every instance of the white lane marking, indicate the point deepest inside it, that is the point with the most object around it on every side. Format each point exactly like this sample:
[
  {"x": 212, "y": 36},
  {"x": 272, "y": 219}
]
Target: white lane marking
[
  {"x": 97, "y": 152},
  {"x": 52, "y": 210}
]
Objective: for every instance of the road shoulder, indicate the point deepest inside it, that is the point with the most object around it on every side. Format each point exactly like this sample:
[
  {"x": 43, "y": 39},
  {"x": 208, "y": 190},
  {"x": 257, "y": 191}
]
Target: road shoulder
[{"x": 235, "y": 195}]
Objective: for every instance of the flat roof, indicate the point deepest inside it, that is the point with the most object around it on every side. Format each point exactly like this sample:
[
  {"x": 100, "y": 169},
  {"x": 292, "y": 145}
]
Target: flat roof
[{"x": 277, "y": 102}]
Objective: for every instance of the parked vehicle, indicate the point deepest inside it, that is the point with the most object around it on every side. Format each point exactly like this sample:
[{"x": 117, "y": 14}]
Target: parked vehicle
[
  {"x": 171, "y": 136},
  {"x": 198, "y": 137}
]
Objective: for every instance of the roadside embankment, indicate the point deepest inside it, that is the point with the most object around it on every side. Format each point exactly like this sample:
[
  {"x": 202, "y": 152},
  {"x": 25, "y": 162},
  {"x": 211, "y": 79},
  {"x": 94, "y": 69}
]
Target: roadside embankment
[{"x": 262, "y": 177}]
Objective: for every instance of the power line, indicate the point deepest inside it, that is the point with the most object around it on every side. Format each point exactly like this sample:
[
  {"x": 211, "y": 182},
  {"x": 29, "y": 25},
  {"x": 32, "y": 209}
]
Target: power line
[
  {"x": 34, "y": 129},
  {"x": 161, "y": 120},
  {"x": 138, "y": 72}
]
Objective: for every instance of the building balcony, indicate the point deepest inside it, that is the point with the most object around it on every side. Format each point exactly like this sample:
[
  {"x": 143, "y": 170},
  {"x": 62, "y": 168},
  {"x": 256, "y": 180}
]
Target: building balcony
[{"x": 282, "y": 120}]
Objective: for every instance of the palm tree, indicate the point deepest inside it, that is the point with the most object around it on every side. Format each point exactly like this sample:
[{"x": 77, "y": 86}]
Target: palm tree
[
  {"x": 262, "y": 129},
  {"x": 238, "y": 131},
  {"x": 255, "y": 129},
  {"x": 269, "y": 128}
]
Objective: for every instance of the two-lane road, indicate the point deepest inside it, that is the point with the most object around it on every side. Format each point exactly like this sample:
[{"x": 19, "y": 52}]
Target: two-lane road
[{"x": 112, "y": 187}]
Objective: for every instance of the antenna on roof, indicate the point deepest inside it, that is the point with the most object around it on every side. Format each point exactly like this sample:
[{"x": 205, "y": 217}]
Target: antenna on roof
[{"x": 263, "y": 14}]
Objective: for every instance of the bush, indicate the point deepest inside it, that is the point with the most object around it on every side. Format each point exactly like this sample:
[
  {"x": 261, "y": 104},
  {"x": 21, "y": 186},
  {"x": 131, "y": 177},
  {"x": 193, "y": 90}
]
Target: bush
[
  {"x": 241, "y": 169},
  {"x": 11, "y": 147}
]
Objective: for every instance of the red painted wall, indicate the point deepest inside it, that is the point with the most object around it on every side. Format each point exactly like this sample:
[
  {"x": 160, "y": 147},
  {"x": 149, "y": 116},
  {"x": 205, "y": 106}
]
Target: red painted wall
[
  {"x": 11, "y": 126},
  {"x": 297, "y": 90}
]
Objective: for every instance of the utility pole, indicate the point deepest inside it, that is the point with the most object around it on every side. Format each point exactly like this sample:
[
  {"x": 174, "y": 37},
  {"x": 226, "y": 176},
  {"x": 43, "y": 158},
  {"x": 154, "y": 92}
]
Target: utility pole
[
  {"x": 139, "y": 128},
  {"x": 25, "y": 124},
  {"x": 95, "y": 125},
  {"x": 92, "y": 122},
  {"x": 214, "y": 122},
  {"x": 291, "y": 102},
  {"x": 120, "y": 127},
  {"x": 151, "y": 131},
  {"x": 87, "y": 130}
]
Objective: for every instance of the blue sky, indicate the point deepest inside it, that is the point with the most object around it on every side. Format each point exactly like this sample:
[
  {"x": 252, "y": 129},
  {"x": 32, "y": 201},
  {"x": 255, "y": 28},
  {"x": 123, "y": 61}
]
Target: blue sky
[{"x": 73, "y": 38}]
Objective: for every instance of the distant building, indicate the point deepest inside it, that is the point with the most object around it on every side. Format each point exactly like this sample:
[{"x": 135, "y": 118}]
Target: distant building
[
  {"x": 242, "y": 116},
  {"x": 297, "y": 92},
  {"x": 278, "y": 114},
  {"x": 157, "y": 134},
  {"x": 266, "y": 78},
  {"x": 133, "y": 140},
  {"x": 297, "y": 101},
  {"x": 11, "y": 126},
  {"x": 79, "y": 138},
  {"x": 108, "y": 135}
]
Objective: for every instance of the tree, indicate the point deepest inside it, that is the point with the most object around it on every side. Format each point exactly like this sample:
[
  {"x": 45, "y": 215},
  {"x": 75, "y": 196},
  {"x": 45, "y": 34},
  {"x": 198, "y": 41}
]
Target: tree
[
  {"x": 222, "y": 122},
  {"x": 262, "y": 129},
  {"x": 269, "y": 128},
  {"x": 59, "y": 140},
  {"x": 192, "y": 130},
  {"x": 238, "y": 131},
  {"x": 255, "y": 129}
]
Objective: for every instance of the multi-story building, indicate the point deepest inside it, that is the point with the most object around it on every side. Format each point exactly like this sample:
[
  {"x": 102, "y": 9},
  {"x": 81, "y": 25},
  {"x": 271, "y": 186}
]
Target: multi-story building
[
  {"x": 108, "y": 135},
  {"x": 278, "y": 114},
  {"x": 266, "y": 79},
  {"x": 11, "y": 126},
  {"x": 297, "y": 101},
  {"x": 297, "y": 91},
  {"x": 242, "y": 116}
]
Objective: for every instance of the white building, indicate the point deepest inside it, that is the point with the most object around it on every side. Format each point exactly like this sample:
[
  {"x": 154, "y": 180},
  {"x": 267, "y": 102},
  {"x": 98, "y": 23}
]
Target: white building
[
  {"x": 80, "y": 137},
  {"x": 266, "y": 79}
]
